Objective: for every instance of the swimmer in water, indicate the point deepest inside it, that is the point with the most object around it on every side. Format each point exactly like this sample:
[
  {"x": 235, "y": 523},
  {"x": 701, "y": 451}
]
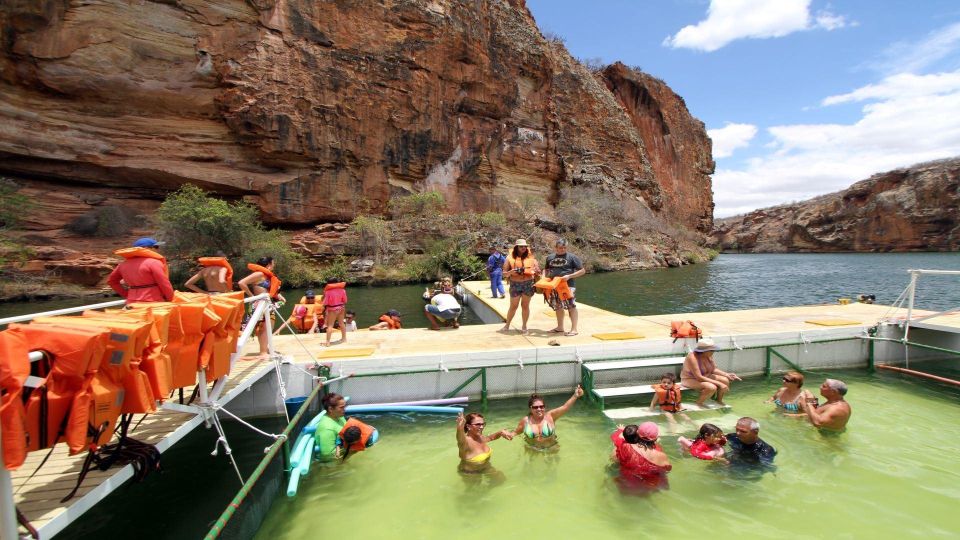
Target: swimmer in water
[
  {"x": 539, "y": 427},
  {"x": 472, "y": 443}
]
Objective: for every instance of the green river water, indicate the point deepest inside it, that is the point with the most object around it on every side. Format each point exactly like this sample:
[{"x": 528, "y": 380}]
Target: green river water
[{"x": 892, "y": 474}]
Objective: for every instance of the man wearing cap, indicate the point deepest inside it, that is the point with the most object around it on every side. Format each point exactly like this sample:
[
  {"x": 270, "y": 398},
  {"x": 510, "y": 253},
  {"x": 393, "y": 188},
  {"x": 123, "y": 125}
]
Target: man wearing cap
[
  {"x": 307, "y": 315},
  {"x": 746, "y": 446},
  {"x": 388, "y": 321},
  {"x": 566, "y": 266},
  {"x": 700, "y": 372},
  {"x": 495, "y": 271},
  {"x": 143, "y": 276},
  {"x": 835, "y": 413}
]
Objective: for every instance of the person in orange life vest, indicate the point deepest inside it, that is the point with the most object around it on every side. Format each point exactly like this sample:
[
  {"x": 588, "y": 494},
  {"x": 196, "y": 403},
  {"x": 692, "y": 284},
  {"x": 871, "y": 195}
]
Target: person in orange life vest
[
  {"x": 143, "y": 276},
  {"x": 568, "y": 267},
  {"x": 521, "y": 270},
  {"x": 262, "y": 280},
  {"x": 388, "y": 321},
  {"x": 307, "y": 315},
  {"x": 216, "y": 273},
  {"x": 666, "y": 397},
  {"x": 335, "y": 306}
]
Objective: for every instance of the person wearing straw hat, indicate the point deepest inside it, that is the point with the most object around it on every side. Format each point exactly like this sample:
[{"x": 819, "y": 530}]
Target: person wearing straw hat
[
  {"x": 700, "y": 372},
  {"x": 521, "y": 270}
]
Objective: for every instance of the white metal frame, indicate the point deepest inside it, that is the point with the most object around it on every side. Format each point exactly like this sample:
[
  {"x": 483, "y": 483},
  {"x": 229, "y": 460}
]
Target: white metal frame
[{"x": 206, "y": 412}]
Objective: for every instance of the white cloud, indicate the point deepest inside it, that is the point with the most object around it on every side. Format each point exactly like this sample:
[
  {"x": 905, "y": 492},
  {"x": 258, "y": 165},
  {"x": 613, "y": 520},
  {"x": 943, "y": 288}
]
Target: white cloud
[
  {"x": 900, "y": 86},
  {"x": 730, "y": 137},
  {"x": 914, "y": 57},
  {"x": 905, "y": 120},
  {"x": 730, "y": 20}
]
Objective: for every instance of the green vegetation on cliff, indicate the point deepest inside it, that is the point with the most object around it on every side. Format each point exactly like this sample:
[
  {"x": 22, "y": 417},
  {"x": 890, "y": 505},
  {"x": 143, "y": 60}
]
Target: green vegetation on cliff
[{"x": 196, "y": 225}]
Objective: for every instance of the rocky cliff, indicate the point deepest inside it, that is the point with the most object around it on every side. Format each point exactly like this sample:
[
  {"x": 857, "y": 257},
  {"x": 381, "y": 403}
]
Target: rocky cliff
[
  {"x": 316, "y": 111},
  {"x": 911, "y": 209}
]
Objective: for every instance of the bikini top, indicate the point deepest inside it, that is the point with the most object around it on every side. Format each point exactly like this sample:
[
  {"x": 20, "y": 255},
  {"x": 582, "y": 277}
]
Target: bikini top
[
  {"x": 790, "y": 406},
  {"x": 546, "y": 430}
]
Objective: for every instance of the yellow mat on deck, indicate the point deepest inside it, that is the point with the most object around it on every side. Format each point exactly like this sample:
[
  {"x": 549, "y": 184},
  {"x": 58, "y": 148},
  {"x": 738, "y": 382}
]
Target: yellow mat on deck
[
  {"x": 609, "y": 336},
  {"x": 342, "y": 353},
  {"x": 831, "y": 322}
]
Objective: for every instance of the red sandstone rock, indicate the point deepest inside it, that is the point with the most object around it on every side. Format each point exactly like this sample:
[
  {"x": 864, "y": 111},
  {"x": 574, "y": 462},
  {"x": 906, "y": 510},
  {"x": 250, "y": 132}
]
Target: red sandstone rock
[
  {"x": 911, "y": 209},
  {"x": 317, "y": 110}
]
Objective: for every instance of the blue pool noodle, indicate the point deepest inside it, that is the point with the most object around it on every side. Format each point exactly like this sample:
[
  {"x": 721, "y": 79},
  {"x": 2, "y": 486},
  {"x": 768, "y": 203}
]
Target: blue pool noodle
[{"x": 426, "y": 409}]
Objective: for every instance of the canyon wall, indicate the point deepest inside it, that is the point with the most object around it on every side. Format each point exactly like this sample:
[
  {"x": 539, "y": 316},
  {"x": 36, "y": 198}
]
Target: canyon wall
[
  {"x": 911, "y": 209},
  {"x": 316, "y": 111}
]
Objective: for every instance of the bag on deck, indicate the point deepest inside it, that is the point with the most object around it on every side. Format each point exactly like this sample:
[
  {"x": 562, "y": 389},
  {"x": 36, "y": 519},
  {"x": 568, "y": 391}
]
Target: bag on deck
[{"x": 684, "y": 329}]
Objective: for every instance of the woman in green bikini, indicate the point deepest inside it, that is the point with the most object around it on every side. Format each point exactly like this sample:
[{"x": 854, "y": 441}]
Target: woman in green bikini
[{"x": 539, "y": 428}]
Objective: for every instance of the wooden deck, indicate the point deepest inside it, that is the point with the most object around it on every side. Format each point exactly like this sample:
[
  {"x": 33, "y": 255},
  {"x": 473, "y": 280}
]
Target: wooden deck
[
  {"x": 592, "y": 320},
  {"x": 37, "y": 492}
]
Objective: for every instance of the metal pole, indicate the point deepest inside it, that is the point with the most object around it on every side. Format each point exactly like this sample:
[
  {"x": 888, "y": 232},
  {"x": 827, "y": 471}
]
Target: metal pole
[
  {"x": 483, "y": 389},
  {"x": 914, "y": 274},
  {"x": 8, "y": 512},
  {"x": 870, "y": 359},
  {"x": 766, "y": 369},
  {"x": 64, "y": 311}
]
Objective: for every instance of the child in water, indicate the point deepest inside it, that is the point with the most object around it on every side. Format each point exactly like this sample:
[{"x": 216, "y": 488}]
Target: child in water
[{"x": 708, "y": 445}]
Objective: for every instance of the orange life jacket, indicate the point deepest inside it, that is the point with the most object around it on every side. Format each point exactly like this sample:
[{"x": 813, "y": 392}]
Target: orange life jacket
[
  {"x": 669, "y": 400},
  {"x": 198, "y": 319},
  {"x": 138, "y": 397},
  {"x": 392, "y": 322},
  {"x": 155, "y": 361},
  {"x": 684, "y": 329},
  {"x": 134, "y": 252},
  {"x": 560, "y": 285},
  {"x": 337, "y": 285},
  {"x": 365, "y": 432},
  {"x": 274, "y": 280},
  {"x": 14, "y": 369},
  {"x": 60, "y": 404},
  {"x": 221, "y": 262},
  {"x": 221, "y": 341},
  {"x": 304, "y": 323},
  {"x": 529, "y": 264}
]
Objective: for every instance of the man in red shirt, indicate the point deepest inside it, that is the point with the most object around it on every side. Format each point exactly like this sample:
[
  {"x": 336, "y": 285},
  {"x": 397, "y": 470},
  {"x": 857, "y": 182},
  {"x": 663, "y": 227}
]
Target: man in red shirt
[{"x": 143, "y": 276}]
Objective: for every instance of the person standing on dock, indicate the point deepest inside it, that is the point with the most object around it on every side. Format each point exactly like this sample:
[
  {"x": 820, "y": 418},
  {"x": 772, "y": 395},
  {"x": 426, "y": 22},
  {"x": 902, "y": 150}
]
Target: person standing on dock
[
  {"x": 143, "y": 276},
  {"x": 566, "y": 266},
  {"x": 521, "y": 269},
  {"x": 495, "y": 271},
  {"x": 835, "y": 413}
]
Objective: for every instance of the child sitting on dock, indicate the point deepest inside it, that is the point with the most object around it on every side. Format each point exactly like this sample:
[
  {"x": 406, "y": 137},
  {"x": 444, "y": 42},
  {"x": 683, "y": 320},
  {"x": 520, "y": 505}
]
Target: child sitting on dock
[
  {"x": 388, "y": 321},
  {"x": 708, "y": 445},
  {"x": 667, "y": 397}
]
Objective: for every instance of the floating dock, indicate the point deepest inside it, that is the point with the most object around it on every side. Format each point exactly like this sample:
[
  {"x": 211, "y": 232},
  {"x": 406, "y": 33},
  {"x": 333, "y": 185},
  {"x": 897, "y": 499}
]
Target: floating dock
[{"x": 480, "y": 361}]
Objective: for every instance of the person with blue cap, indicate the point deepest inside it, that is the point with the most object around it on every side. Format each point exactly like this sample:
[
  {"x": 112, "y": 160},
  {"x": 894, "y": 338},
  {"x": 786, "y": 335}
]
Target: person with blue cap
[{"x": 143, "y": 275}]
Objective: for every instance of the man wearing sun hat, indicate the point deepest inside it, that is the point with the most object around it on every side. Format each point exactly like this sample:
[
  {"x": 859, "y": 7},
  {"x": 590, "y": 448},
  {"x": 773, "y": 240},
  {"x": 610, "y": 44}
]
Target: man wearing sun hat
[
  {"x": 143, "y": 276},
  {"x": 700, "y": 372}
]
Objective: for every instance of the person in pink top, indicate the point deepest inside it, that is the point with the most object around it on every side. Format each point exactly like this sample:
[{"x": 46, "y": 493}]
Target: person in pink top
[
  {"x": 143, "y": 276},
  {"x": 335, "y": 307}
]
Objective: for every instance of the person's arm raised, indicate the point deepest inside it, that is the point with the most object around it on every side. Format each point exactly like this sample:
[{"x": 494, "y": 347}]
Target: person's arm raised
[{"x": 562, "y": 410}]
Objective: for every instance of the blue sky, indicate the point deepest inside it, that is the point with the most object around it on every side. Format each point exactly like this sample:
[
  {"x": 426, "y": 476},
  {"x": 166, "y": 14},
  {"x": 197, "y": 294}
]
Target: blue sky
[{"x": 801, "y": 97}]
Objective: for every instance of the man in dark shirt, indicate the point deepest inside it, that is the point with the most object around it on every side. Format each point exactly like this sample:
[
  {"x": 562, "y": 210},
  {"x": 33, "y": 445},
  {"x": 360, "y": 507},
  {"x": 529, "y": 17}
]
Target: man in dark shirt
[
  {"x": 746, "y": 446},
  {"x": 567, "y": 266}
]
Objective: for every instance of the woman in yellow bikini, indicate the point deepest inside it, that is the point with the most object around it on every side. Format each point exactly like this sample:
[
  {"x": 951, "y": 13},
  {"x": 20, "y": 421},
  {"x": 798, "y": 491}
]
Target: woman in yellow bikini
[{"x": 474, "y": 451}]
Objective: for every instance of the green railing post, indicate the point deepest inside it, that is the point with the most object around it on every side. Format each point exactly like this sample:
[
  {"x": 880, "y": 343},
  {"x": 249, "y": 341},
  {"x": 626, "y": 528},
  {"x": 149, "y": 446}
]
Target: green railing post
[
  {"x": 766, "y": 368},
  {"x": 771, "y": 350},
  {"x": 870, "y": 361},
  {"x": 483, "y": 389}
]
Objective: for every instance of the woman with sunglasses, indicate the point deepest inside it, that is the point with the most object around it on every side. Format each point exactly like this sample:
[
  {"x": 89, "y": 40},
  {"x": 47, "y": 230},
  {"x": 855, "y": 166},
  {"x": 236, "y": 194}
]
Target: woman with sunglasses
[
  {"x": 539, "y": 427},
  {"x": 788, "y": 397},
  {"x": 472, "y": 443}
]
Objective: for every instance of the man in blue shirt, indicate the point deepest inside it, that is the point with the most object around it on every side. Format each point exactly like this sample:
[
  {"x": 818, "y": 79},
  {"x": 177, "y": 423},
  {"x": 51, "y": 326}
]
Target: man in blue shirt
[
  {"x": 746, "y": 446},
  {"x": 495, "y": 271},
  {"x": 568, "y": 267}
]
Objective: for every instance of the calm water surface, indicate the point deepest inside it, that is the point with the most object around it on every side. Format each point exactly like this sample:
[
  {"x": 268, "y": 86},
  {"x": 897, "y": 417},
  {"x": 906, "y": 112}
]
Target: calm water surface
[{"x": 727, "y": 283}]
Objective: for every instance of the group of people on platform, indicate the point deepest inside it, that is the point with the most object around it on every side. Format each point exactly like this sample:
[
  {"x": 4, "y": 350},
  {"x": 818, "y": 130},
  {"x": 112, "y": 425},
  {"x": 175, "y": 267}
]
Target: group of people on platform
[{"x": 522, "y": 271}]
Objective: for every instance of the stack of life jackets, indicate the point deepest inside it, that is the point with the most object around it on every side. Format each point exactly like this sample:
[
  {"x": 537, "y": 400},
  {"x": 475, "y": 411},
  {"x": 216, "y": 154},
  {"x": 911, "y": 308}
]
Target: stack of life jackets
[{"x": 100, "y": 365}]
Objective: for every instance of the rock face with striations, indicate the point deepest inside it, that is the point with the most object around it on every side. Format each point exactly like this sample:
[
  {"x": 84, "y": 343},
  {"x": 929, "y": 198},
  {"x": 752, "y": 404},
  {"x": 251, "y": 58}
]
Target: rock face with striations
[
  {"x": 911, "y": 209},
  {"x": 316, "y": 111}
]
